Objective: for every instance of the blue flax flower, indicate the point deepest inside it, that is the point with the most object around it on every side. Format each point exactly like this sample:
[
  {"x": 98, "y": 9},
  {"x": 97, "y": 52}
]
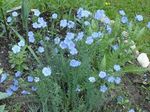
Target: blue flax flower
[
  {"x": 117, "y": 68},
  {"x": 103, "y": 88},
  {"x": 75, "y": 63},
  {"x": 139, "y": 18}
]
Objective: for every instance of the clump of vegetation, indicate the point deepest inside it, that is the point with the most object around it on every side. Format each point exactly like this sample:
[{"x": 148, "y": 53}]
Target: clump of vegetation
[{"x": 77, "y": 61}]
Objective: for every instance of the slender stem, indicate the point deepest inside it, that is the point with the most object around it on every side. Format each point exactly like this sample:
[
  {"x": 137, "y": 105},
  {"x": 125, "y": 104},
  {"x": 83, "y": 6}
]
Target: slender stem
[{"x": 5, "y": 24}]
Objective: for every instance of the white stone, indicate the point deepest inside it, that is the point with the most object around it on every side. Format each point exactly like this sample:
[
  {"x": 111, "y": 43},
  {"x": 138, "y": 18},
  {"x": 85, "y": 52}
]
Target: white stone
[{"x": 143, "y": 60}]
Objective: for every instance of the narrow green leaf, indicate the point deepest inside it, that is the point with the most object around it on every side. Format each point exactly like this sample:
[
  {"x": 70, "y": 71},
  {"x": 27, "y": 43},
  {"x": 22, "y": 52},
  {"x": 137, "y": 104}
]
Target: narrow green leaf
[
  {"x": 103, "y": 63},
  {"x": 3, "y": 95},
  {"x": 133, "y": 69},
  {"x": 34, "y": 55}
]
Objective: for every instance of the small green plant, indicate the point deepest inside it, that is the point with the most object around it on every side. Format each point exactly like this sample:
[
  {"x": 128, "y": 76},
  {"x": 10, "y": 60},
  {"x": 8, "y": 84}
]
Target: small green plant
[
  {"x": 18, "y": 61},
  {"x": 73, "y": 62},
  {"x": 3, "y": 96}
]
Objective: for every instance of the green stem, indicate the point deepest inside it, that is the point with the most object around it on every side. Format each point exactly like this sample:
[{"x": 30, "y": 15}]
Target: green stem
[
  {"x": 5, "y": 23},
  {"x": 34, "y": 55}
]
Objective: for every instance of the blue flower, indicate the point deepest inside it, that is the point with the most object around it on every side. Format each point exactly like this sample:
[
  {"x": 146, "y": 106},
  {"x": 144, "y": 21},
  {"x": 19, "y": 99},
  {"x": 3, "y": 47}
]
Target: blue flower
[
  {"x": 34, "y": 88},
  {"x": 47, "y": 71},
  {"x": 73, "y": 51},
  {"x": 63, "y": 23},
  {"x": 95, "y": 35},
  {"x": 54, "y": 16},
  {"x": 115, "y": 47},
  {"x": 9, "y": 92},
  {"x": 70, "y": 35},
  {"x": 83, "y": 13},
  {"x": 71, "y": 24},
  {"x": 117, "y": 68},
  {"x": 117, "y": 80},
  {"x": 30, "y": 34},
  {"x": 103, "y": 88},
  {"x": 148, "y": 25},
  {"x": 139, "y": 18},
  {"x": 16, "y": 49},
  {"x": 36, "y": 25},
  {"x": 9, "y": 19},
  {"x": 102, "y": 74},
  {"x": 89, "y": 40},
  {"x": 41, "y": 49},
  {"x": 3, "y": 77},
  {"x": 31, "y": 39},
  {"x": 80, "y": 36},
  {"x": 15, "y": 82},
  {"x": 30, "y": 79},
  {"x": 18, "y": 74},
  {"x": 108, "y": 29},
  {"x": 68, "y": 41},
  {"x": 24, "y": 92},
  {"x": 124, "y": 19},
  {"x": 71, "y": 45},
  {"x": 100, "y": 14},
  {"x": 131, "y": 110},
  {"x": 14, "y": 14},
  {"x": 14, "y": 87},
  {"x": 106, "y": 20},
  {"x": 75, "y": 63},
  {"x": 111, "y": 79},
  {"x": 122, "y": 13},
  {"x": 42, "y": 22},
  {"x": 63, "y": 45}
]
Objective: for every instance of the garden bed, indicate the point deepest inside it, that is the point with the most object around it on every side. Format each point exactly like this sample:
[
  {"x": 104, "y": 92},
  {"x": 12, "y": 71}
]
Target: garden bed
[{"x": 79, "y": 61}]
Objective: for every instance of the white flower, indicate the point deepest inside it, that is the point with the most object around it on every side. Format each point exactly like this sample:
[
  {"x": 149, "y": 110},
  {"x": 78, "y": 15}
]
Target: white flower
[
  {"x": 36, "y": 12},
  {"x": 57, "y": 40},
  {"x": 21, "y": 43},
  {"x": 14, "y": 14},
  {"x": 54, "y": 16},
  {"x": 133, "y": 46},
  {"x": 131, "y": 110},
  {"x": 47, "y": 38},
  {"x": 86, "y": 23},
  {"x": 36, "y": 79},
  {"x": 92, "y": 79},
  {"x": 9, "y": 19},
  {"x": 125, "y": 34},
  {"x": 46, "y": 71},
  {"x": 41, "y": 49},
  {"x": 16, "y": 49},
  {"x": 143, "y": 60}
]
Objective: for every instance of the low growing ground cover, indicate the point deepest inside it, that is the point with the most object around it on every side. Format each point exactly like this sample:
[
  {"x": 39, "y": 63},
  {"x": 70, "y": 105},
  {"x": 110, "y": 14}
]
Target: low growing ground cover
[{"x": 69, "y": 56}]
